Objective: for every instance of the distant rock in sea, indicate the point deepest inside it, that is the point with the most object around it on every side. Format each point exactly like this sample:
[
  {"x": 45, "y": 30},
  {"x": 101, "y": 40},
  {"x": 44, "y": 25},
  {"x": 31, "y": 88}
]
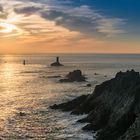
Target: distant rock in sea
[
  {"x": 57, "y": 63},
  {"x": 96, "y": 74},
  {"x": 55, "y": 76},
  {"x": 24, "y": 62},
  {"x": 74, "y": 76},
  {"x": 88, "y": 85},
  {"x": 22, "y": 114},
  {"x": 113, "y": 108}
]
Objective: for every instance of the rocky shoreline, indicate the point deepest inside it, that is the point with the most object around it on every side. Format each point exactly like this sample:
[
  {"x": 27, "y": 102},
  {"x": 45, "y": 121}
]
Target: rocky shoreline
[{"x": 113, "y": 108}]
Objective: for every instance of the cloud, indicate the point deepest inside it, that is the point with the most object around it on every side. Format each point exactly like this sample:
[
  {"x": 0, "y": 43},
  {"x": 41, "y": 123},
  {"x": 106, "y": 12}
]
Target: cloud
[
  {"x": 1, "y": 9},
  {"x": 86, "y": 21},
  {"x": 76, "y": 18},
  {"x": 1, "y": 28},
  {"x": 73, "y": 23},
  {"x": 2, "y": 13},
  {"x": 27, "y": 10},
  {"x": 110, "y": 26},
  {"x": 51, "y": 2},
  {"x": 83, "y": 19}
]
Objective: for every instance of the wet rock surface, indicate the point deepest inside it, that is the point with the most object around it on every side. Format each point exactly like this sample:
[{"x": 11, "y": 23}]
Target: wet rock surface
[
  {"x": 113, "y": 108},
  {"x": 74, "y": 76}
]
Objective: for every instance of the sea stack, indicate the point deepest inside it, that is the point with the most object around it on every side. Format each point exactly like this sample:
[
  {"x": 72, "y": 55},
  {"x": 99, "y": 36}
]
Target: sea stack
[{"x": 57, "y": 63}]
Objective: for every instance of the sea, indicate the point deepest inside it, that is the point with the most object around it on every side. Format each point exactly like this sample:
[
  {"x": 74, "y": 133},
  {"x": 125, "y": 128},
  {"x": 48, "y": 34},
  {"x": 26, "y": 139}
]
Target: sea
[{"x": 27, "y": 91}]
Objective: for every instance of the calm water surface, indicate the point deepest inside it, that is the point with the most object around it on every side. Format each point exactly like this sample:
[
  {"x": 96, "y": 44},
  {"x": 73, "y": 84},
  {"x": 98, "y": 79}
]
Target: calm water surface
[{"x": 29, "y": 89}]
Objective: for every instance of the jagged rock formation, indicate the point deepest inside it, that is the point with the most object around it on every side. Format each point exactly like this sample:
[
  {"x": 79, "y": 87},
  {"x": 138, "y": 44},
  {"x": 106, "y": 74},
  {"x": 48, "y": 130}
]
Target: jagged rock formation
[
  {"x": 76, "y": 75},
  {"x": 57, "y": 63},
  {"x": 113, "y": 108},
  {"x": 133, "y": 133}
]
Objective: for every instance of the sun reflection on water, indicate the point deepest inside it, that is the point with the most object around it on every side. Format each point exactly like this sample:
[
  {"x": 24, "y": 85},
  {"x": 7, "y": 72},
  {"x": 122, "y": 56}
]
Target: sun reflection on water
[
  {"x": 8, "y": 83},
  {"x": 26, "y": 89}
]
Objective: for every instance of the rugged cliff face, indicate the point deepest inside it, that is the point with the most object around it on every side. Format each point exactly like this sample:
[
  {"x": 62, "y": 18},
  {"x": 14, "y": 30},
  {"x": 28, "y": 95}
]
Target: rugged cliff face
[{"x": 113, "y": 108}]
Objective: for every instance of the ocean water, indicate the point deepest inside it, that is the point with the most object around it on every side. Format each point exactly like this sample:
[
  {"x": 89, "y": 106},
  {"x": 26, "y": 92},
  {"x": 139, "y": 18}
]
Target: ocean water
[{"x": 30, "y": 89}]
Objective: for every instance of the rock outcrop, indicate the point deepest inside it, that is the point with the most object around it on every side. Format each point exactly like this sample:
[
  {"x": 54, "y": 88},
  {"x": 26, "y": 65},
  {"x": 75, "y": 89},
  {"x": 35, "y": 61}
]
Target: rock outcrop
[
  {"x": 113, "y": 108},
  {"x": 88, "y": 85},
  {"x": 57, "y": 63},
  {"x": 73, "y": 76}
]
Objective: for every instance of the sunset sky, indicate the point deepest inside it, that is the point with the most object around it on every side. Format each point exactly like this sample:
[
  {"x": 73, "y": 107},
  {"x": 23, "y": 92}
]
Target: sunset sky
[{"x": 69, "y": 26}]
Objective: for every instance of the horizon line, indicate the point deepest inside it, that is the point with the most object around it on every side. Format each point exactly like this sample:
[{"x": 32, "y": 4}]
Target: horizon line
[{"x": 94, "y": 53}]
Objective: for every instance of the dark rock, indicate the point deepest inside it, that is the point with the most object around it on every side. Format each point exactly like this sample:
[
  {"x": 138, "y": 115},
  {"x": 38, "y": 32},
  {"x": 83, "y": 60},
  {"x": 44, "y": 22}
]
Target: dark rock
[
  {"x": 24, "y": 62},
  {"x": 113, "y": 108},
  {"x": 22, "y": 114},
  {"x": 133, "y": 133},
  {"x": 57, "y": 63},
  {"x": 96, "y": 74},
  {"x": 76, "y": 75},
  {"x": 88, "y": 85},
  {"x": 68, "y": 106},
  {"x": 57, "y": 76}
]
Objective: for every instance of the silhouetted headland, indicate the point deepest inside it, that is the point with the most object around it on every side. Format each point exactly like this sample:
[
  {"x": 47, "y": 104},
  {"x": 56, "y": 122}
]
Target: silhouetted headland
[
  {"x": 74, "y": 76},
  {"x": 57, "y": 63},
  {"x": 113, "y": 108}
]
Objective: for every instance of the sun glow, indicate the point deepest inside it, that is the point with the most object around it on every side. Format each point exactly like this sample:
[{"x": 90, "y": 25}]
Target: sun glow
[{"x": 7, "y": 28}]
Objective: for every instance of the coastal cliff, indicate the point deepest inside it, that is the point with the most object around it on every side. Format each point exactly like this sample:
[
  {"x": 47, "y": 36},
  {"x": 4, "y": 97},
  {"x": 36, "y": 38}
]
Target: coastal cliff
[{"x": 113, "y": 108}]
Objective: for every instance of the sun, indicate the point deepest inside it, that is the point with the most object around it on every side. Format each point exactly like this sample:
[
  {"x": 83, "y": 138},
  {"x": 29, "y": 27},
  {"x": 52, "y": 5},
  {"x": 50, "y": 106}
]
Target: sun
[{"x": 7, "y": 28}]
